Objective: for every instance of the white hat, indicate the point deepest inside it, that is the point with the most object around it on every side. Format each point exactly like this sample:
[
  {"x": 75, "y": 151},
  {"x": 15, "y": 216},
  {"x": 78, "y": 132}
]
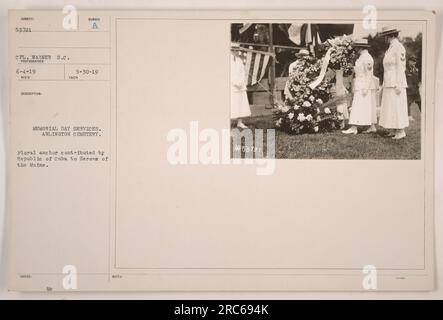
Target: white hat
[
  {"x": 361, "y": 43},
  {"x": 385, "y": 31},
  {"x": 302, "y": 52}
]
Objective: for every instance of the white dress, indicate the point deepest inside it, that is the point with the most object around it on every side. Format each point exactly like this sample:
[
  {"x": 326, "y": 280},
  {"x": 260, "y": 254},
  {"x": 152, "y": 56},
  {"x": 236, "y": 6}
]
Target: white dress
[
  {"x": 375, "y": 98},
  {"x": 394, "y": 107},
  {"x": 340, "y": 90},
  {"x": 363, "y": 105},
  {"x": 239, "y": 98}
]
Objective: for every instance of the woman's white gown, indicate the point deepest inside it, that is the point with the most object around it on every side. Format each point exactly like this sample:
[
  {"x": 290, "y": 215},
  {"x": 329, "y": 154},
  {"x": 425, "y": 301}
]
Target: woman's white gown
[
  {"x": 363, "y": 112},
  {"x": 239, "y": 98},
  {"x": 394, "y": 107}
]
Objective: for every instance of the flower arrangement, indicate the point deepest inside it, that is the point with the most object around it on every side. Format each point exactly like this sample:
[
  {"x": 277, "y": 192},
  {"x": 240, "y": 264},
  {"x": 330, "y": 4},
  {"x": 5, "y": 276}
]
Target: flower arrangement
[
  {"x": 343, "y": 55},
  {"x": 305, "y": 109}
]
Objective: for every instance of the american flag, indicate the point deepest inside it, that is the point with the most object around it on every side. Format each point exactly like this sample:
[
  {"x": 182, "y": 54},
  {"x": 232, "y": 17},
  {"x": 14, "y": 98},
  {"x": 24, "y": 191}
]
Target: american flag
[{"x": 256, "y": 66}]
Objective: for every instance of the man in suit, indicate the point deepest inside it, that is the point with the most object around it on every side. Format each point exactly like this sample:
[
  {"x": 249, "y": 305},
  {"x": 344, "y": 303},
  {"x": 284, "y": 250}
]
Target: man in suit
[{"x": 413, "y": 78}]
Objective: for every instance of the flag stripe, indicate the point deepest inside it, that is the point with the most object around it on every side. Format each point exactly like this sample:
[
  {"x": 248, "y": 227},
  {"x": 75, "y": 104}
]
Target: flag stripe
[
  {"x": 250, "y": 59},
  {"x": 265, "y": 64},
  {"x": 256, "y": 67}
]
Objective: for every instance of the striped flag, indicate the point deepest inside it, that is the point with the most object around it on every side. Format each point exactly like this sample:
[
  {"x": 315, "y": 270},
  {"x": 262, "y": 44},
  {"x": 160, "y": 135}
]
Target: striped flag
[{"x": 256, "y": 66}]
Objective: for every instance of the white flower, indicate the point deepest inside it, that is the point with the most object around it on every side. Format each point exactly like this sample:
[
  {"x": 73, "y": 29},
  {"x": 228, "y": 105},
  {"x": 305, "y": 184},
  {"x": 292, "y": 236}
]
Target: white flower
[
  {"x": 319, "y": 101},
  {"x": 285, "y": 109},
  {"x": 306, "y": 104},
  {"x": 316, "y": 128},
  {"x": 318, "y": 118},
  {"x": 311, "y": 98},
  {"x": 290, "y": 116},
  {"x": 296, "y": 107},
  {"x": 309, "y": 117},
  {"x": 301, "y": 117},
  {"x": 278, "y": 122},
  {"x": 327, "y": 110}
]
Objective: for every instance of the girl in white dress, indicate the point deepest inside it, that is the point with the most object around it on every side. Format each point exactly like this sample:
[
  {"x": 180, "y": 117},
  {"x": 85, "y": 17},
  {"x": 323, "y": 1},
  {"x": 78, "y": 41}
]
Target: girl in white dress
[
  {"x": 363, "y": 104},
  {"x": 239, "y": 98},
  {"x": 394, "y": 103}
]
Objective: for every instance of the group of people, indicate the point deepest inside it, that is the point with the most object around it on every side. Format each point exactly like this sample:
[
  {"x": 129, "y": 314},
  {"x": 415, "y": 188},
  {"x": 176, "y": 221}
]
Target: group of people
[
  {"x": 394, "y": 103},
  {"x": 394, "y": 115}
]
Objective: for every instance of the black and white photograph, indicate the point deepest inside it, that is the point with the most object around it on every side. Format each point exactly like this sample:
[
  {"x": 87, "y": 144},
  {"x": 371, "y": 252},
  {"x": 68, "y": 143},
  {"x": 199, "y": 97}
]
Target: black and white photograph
[
  {"x": 330, "y": 91},
  {"x": 236, "y": 152}
]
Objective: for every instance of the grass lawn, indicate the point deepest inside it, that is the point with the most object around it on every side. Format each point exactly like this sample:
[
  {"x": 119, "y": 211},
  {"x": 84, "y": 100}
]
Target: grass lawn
[{"x": 336, "y": 145}]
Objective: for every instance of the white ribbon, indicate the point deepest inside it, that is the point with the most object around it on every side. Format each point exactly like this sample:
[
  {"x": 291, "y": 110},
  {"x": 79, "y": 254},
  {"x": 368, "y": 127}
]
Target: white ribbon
[{"x": 324, "y": 67}]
